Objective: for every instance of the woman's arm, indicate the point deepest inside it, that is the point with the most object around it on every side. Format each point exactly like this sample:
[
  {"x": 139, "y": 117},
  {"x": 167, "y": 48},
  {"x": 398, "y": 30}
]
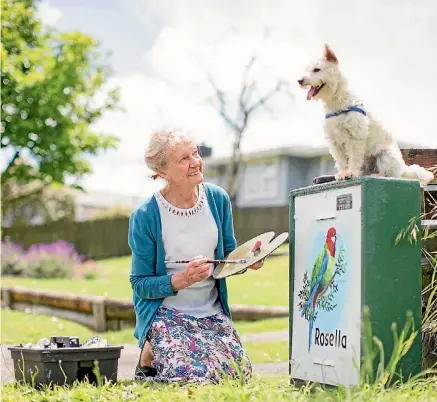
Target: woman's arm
[{"x": 143, "y": 279}]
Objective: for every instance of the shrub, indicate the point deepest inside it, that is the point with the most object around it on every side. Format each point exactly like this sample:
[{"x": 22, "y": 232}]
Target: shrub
[
  {"x": 11, "y": 256},
  {"x": 54, "y": 260},
  {"x": 88, "y": 270}
]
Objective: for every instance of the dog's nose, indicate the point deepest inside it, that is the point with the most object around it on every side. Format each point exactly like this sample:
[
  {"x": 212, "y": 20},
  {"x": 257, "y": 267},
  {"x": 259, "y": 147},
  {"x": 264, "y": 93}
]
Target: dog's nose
[{"x": 300, "y": 82}]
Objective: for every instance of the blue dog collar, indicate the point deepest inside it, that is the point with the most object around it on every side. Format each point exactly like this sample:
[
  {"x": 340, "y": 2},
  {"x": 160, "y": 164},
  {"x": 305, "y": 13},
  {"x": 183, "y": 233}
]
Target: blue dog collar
[{"x": 347, "y": 110}]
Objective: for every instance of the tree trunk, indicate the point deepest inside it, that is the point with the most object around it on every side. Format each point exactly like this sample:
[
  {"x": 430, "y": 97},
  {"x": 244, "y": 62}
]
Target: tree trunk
[{"x": 234, "y": 167}]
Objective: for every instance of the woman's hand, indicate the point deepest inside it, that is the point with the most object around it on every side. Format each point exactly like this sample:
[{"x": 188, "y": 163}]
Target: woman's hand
[
  {"x": 197, "y": 270},
  {"x": 257, "y": 248}
]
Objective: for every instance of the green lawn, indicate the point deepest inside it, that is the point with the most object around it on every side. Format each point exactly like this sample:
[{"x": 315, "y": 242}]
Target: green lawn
[
  {"x": 16, "y": 328},
  {"x": 275, "y": 389},
  {"x": 267, "y": 352},
  {"x": 268, "y": 286}
]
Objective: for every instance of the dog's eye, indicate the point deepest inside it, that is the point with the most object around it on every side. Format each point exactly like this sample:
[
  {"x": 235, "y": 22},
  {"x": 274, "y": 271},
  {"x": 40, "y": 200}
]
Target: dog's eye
[{"x": 316, "y": 70}]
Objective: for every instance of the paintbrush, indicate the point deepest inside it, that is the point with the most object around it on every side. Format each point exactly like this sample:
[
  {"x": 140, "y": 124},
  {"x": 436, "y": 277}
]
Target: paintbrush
[
  {"x": 240, "y": 261},
  {"x": 235, "y": 261}
]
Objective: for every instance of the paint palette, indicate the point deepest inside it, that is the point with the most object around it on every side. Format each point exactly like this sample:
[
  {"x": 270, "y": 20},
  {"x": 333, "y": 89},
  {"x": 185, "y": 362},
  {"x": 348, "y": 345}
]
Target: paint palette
[{"x": 244, "y": 252}]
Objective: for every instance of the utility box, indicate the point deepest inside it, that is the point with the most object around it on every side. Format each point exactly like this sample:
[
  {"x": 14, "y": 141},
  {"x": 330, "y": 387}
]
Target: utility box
[{"x": 343, "y": 257}]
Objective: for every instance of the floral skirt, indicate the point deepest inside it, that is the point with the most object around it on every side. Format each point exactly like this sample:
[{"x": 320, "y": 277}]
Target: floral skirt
[{"x": 202, "y": 350}]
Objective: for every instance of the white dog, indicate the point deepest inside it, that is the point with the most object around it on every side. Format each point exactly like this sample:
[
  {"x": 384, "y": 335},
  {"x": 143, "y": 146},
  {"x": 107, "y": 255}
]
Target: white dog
[{"x": 359, "y": 145}]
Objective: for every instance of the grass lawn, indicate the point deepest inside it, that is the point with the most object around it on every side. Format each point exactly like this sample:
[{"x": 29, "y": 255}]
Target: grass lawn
[
  {"x": 268, "y": 286},
  {"x": 16, "y": 328},
  {"x": 259, "y": 389},
  {"x": 267, "y": 352}
]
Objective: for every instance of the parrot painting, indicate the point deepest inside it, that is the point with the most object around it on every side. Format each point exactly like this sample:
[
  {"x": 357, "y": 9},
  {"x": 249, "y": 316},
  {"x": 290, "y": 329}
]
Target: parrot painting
[{"x": 321, "y": 278}]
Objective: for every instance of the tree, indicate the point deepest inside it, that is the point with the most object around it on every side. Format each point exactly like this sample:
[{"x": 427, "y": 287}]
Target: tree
[
  {"x": 50, "y": 85},
  {"x": 248, "y": 105},
  {"x": 31, "y": 203}
]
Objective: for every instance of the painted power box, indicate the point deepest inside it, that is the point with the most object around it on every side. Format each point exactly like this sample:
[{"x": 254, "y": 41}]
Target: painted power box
[{"x": 343, "y": 257}]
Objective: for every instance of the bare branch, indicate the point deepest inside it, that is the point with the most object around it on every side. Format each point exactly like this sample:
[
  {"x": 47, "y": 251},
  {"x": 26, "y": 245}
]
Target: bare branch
[
  {"x": 264, "y": 99},
  {"x": 245, "y": 109},
  {"x": 245, "y": 86},
  {"x": 222, "y": 104},
  {"x": 251, "y": 88}
]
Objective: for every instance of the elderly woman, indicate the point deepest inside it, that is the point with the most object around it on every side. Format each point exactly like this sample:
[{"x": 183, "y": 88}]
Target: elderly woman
[{"x": 183, "y": 322}]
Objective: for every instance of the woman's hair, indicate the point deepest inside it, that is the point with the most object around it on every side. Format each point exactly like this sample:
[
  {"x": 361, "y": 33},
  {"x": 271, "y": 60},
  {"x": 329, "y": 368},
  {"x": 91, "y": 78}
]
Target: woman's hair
[{"x": 160, "y": 141}]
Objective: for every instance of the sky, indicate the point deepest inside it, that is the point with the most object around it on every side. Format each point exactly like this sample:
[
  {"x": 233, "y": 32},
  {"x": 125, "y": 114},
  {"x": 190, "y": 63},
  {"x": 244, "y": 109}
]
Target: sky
[{"x": 162, "y": 49}]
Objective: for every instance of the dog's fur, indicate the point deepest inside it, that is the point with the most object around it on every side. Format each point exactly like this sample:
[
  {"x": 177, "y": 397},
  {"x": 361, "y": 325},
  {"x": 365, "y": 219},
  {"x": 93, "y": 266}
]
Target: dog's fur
[{"x": 359, "y": 144}]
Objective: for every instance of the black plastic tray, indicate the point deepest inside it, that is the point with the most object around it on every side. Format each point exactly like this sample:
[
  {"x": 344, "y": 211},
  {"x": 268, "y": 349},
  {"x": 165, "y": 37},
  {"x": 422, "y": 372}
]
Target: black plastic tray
[{"x": 64, "y": 366}]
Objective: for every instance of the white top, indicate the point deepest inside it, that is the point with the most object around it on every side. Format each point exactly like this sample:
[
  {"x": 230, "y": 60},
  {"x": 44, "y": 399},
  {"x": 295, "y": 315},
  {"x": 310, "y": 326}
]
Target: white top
[{"x": 187, "y": 233}]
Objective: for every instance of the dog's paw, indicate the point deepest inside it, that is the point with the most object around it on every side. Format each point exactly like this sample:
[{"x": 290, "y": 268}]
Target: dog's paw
[{"x": 344, "y": 175}]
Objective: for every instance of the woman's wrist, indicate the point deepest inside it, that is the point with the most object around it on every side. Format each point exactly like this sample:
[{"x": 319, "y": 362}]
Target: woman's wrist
[{"x": 179, "y": 281}]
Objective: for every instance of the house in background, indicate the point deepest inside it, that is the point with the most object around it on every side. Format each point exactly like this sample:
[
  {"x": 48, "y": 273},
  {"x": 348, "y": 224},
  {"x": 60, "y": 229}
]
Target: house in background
[{"x": 266, "y": 177}]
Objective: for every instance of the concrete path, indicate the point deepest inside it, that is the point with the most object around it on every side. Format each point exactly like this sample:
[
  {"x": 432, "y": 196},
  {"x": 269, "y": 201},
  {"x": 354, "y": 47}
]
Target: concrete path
[{"x": 129, "y": 358}]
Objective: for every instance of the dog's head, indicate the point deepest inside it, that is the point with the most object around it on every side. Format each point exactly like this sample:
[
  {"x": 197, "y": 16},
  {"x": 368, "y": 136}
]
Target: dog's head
[{"x": 323, "y": 77}]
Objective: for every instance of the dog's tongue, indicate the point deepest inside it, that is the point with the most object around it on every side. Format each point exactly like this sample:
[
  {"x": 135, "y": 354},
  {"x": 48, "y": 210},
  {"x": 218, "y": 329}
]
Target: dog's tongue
[{"x": 310, "y": 93}]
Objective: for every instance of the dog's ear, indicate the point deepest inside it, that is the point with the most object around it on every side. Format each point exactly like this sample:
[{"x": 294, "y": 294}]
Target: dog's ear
[{"x": 330, "y": 55}]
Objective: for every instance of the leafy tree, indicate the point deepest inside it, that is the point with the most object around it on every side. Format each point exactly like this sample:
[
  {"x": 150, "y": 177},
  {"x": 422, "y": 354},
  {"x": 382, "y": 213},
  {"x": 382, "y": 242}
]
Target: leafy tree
[
  {"x": 31, "y": 203},
  {"x": 49, "y": 84},
  {"x": 53, "y": 90}
]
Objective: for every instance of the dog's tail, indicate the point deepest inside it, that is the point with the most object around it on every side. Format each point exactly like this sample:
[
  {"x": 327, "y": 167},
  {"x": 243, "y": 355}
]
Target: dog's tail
[{"x": 416, "y": 172}]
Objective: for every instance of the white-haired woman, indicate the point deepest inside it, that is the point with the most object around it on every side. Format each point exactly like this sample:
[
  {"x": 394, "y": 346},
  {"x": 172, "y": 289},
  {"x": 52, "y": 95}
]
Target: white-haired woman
[{"x": 183, "y": 322}]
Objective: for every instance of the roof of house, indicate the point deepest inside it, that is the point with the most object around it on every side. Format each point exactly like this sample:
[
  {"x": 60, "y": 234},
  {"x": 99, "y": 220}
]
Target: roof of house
[{"x": 299, "y": 151}]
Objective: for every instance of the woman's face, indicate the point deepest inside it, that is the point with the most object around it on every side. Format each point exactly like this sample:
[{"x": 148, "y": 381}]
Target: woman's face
[{"x": 184, "y": 166}]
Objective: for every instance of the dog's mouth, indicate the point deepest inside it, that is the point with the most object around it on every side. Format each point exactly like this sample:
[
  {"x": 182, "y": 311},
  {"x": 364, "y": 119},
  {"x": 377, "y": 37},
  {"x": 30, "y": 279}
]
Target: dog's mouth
[{"x": 313, "y": 91}]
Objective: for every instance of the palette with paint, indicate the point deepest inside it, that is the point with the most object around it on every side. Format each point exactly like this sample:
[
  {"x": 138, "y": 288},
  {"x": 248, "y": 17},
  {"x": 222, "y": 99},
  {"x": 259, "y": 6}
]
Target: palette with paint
[{"x": 242, "y": 257}]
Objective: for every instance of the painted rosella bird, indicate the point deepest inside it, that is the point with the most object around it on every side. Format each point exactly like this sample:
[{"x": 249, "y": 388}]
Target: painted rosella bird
[{"x": 321, "y": 278}]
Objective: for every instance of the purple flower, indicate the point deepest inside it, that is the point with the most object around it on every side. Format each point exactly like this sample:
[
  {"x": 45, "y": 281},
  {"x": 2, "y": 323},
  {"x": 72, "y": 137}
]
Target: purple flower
[{"x": 52, "y": 260}]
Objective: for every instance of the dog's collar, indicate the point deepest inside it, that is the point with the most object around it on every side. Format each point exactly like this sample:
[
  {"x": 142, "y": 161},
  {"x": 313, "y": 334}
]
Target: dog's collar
[{"x": 347, "y": 110}]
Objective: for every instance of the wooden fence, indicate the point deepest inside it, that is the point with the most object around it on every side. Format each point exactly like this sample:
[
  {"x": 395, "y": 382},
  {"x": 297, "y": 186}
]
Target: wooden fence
[
  {"x": 97, "y": 239},
  {"x": 107, "y": 238},
  {"x": 104, "y": 313}
]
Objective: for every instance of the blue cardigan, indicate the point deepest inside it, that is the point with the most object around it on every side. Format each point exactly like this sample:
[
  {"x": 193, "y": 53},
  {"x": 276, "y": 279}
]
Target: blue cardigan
[{"x": 149, "y": 279}]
